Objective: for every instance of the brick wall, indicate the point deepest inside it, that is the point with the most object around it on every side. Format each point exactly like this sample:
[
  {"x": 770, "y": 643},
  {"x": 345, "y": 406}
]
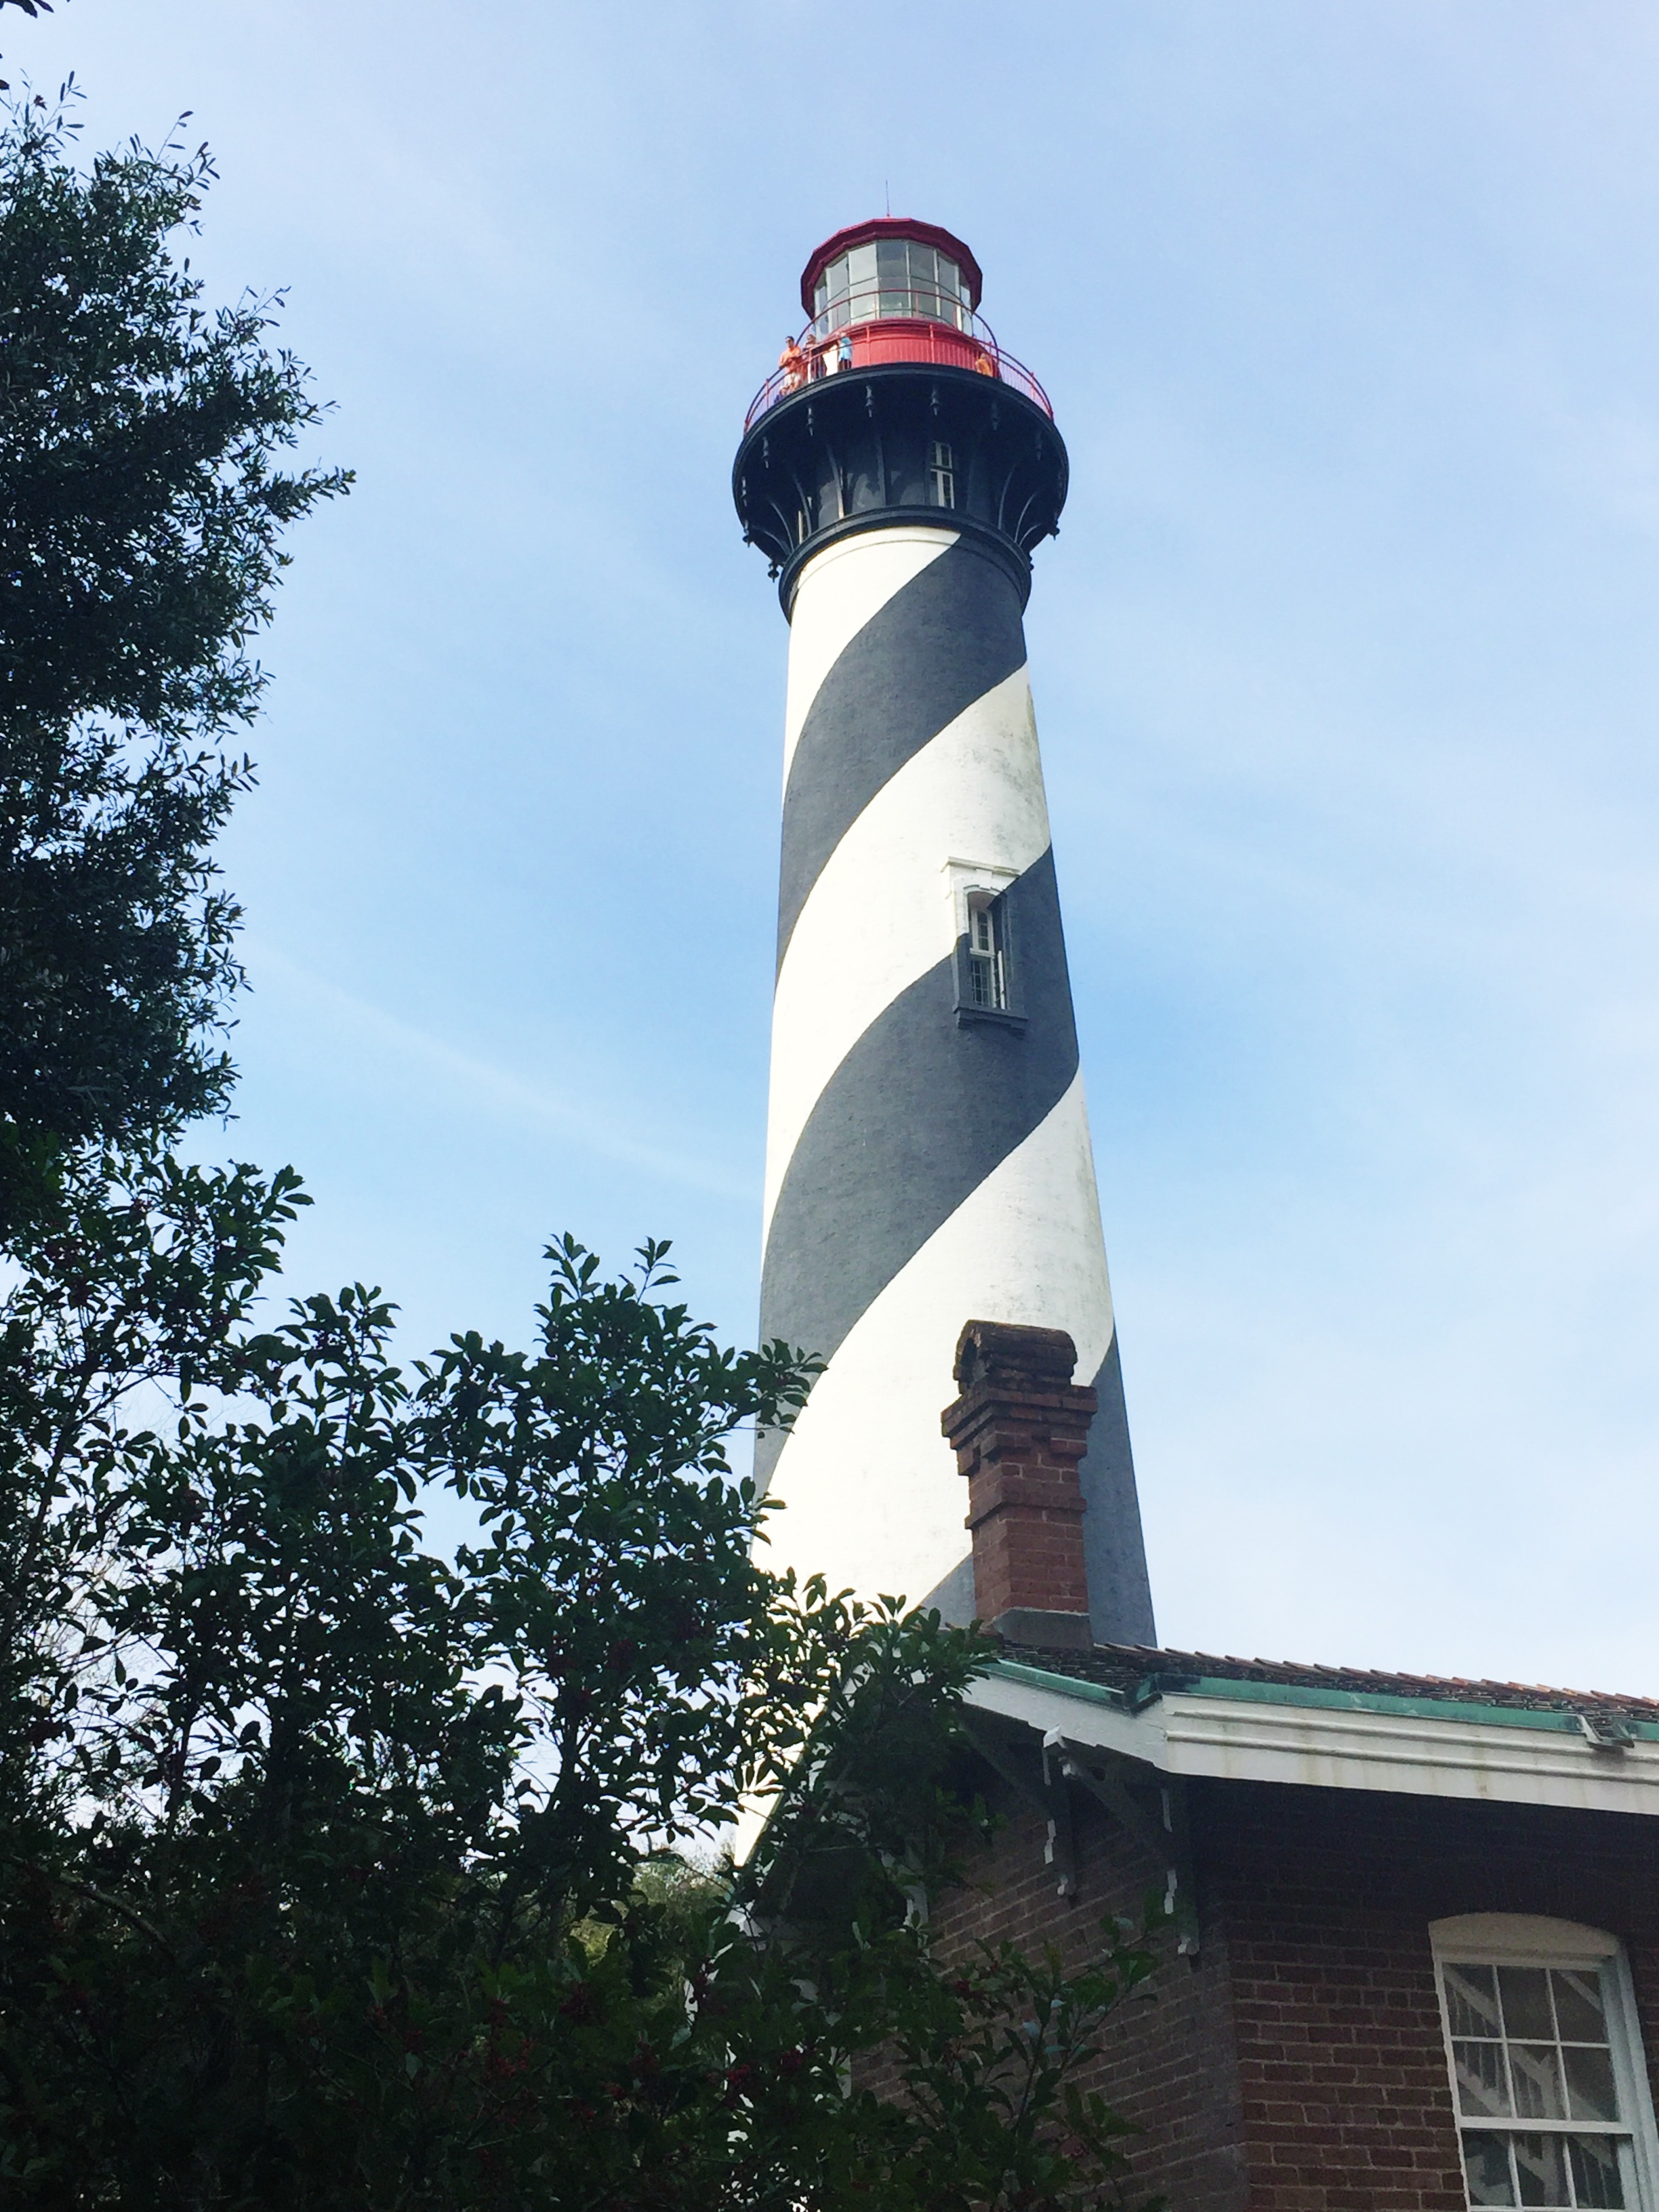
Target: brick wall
[
  {"x": 1296, "y": 2064},
  {"x": 1325, "y": 1896},
  {"x": 1169, "y": 2067}
]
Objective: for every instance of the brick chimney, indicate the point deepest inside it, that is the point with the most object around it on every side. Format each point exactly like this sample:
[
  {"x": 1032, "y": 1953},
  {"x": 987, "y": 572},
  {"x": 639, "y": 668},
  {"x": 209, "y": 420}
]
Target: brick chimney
[{"x": 1020, "y": 1430}]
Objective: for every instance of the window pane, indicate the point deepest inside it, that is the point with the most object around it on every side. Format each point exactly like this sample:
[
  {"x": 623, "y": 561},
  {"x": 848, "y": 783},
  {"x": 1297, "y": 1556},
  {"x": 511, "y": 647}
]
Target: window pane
[
  {"x": 1525, "y": 1994},
  {"x": 1591, "y": 2093},
  {"x": 861, "y": 269},
  {"x": 949, "y": 280},
  {"x": 1472, "y": 2001},
  {"x": 925, "y": 289},
  {"x": 1539, "y": 2168},
  {"x": 834, "y": 277},
  {"x": 1594, "y": 2163},
  {"x": 1578, "y": 2007},
  {"x": 1535, "y": 2072},
  {"x": 1482, "y": 2090},
  {"x": 1486, "y": 2169},
  {"x": 893, "y": 275}
]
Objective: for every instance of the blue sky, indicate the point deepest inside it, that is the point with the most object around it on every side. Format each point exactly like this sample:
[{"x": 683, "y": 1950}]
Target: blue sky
[{"x": 1345, "y": 664}]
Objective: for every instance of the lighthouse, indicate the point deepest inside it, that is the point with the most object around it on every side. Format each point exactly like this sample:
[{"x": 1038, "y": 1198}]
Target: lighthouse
[{"x": 928, "y": 1158}]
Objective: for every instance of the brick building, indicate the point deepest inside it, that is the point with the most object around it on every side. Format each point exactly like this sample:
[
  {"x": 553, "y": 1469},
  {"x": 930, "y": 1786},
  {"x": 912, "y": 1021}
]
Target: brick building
[{"x": 1414, "y": 1958}]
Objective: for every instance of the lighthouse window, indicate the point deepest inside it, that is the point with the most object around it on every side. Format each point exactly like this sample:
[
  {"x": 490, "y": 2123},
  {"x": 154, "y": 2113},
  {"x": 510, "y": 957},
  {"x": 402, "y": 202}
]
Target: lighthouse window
[
  {"x": 987, "y": 966},
  {"x": 941, "y": 474},
  {"x": 891, "y": 276}
]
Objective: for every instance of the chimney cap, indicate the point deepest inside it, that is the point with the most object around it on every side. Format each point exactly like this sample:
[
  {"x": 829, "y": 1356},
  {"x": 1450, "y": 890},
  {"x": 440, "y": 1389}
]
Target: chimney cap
[{"x": 1004, "y": 1352}]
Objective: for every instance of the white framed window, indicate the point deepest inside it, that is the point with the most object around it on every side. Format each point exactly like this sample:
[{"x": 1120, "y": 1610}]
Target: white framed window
[
  {"x": 941, "y": 473},
  {"x": 1547, "y": 2074},
  {"x": 988, "y": 955}
]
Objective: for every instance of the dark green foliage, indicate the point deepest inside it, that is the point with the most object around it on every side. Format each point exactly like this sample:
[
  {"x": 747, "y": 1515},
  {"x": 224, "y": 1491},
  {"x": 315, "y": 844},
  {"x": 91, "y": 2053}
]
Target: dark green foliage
[
  {"x": 608, "y": 1582},
  {"x": 337, "y": 1875},
  {"x": 335, "y": 1872},
  {"x": 135, "y": 1282},
  {"x": 141, "y": 507}
]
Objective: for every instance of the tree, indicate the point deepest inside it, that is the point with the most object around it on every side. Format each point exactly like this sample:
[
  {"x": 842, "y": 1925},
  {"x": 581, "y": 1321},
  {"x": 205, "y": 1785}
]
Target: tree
[
  {"x": 334, "y": 1873},
  {"x": 339, "y": 1875},
  {"x": 140, "y": 437}
]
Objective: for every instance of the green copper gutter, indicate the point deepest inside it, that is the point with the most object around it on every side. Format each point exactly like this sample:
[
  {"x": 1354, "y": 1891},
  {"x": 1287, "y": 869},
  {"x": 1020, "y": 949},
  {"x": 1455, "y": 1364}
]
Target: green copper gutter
[{"x": 1154, "y": 1687}]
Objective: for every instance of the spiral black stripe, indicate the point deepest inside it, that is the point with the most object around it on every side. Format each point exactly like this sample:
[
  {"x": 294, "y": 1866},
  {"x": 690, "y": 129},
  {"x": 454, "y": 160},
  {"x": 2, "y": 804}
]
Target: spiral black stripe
[
  {"x": 1120, "y": 1593},
  {"x": 941, "y": 642},
  {"x": 916, "y": 1116}
]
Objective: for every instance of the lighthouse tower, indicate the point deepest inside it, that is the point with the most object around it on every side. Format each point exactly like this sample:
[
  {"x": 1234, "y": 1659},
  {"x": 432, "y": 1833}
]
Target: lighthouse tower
[{"x": 928, "y": 1158}]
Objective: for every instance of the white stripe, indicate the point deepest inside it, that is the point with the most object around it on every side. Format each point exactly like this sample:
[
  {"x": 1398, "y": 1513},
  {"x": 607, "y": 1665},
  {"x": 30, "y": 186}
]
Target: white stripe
[
  {"x": 873, "y": 1495},
  {"x": 837, "y": 592},
  {"x": 882, "y": 914}
]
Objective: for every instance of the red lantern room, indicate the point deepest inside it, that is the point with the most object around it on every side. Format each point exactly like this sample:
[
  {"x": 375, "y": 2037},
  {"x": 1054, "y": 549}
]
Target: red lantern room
[
  {"x": 890, "y": 269},
  {"x": 894, "y": 400},
  {"x": 889, "y": 291}
]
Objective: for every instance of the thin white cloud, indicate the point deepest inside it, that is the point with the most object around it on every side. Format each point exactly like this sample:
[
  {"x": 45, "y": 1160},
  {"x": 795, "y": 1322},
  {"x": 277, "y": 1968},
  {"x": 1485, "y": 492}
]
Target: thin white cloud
[{"x": 523, "y": 1102}]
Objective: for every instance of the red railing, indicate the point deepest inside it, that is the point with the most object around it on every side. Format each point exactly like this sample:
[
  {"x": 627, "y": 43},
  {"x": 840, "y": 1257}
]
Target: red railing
[{"x": 879, "y": 341}]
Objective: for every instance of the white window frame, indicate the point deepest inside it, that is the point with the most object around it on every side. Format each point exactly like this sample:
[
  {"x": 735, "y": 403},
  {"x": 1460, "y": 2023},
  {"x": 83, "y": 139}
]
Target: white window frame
[
  {"x": 941, "y": 472},
  {"x": 1519, "y": 1939},
  {"x": 971, "y": 882},
  {"x": 981, "y": 906},
  {"x": 972, "y": 878}
]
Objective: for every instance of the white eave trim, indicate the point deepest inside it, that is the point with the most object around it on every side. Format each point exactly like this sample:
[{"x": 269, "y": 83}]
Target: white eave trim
[{"x": 1513, "y": 1760}]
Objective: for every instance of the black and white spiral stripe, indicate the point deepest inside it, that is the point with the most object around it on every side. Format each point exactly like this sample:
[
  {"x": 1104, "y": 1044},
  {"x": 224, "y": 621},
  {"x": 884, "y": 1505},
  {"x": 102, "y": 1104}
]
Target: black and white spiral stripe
[{"x": 921, "y": 1171}]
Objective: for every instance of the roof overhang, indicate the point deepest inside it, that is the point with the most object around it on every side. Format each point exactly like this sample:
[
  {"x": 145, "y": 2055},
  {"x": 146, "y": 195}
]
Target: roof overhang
[{"x": 1249, "y": 1731}]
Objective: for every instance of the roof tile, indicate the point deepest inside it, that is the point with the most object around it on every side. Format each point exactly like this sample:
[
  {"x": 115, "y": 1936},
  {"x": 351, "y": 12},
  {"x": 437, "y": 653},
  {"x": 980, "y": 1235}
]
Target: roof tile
[{"x": 1127, "y": 1666}]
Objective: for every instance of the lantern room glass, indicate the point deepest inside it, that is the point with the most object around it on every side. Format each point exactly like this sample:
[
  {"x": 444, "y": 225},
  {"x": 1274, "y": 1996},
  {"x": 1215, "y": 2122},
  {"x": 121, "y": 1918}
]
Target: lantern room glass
[{"x": 889, "y": 278}]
